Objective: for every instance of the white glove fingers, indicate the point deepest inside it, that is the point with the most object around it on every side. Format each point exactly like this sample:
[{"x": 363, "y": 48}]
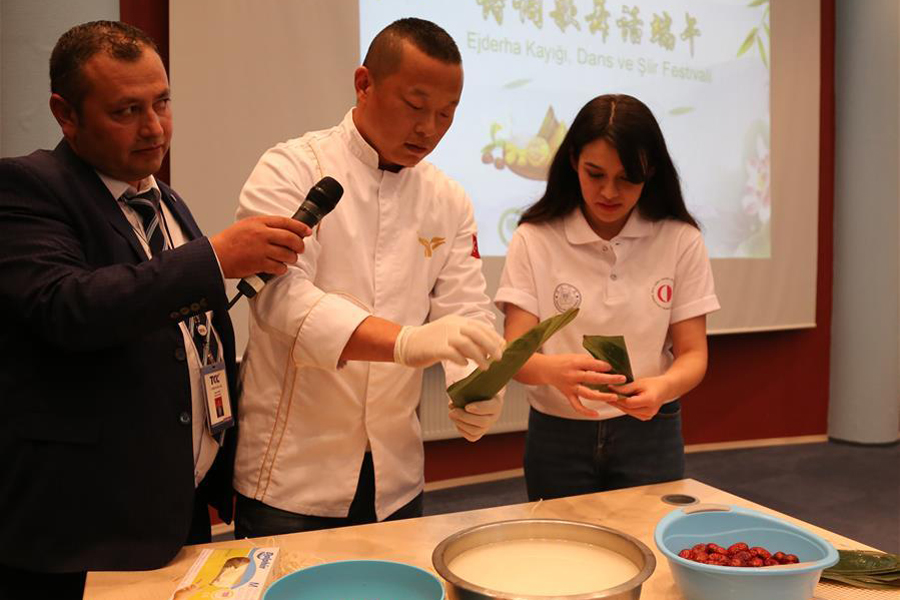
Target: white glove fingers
[
  {"x": 468, "y": 431},
  {"x": 479, "y": 421},
  {"x": 489, "y": 407},
  {"x": 466, "y": 347},
  {"x": 490, "y": 342},
  {"x": 455, "y": 356}
]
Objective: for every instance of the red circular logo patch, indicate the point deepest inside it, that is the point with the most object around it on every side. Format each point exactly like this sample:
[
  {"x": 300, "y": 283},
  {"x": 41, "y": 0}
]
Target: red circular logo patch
[{"x": 662, "y": 293}]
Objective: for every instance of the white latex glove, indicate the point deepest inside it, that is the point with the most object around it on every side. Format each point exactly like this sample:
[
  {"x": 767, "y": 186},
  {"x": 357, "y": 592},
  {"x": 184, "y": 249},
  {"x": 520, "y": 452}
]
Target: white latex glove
[
  {"x": 452, "y": 338},
  {"x": 477, "y": 417}
]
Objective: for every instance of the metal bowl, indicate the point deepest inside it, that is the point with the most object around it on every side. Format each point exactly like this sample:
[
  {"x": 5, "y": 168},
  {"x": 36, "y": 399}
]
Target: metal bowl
[{"x": 547, "y": 529}]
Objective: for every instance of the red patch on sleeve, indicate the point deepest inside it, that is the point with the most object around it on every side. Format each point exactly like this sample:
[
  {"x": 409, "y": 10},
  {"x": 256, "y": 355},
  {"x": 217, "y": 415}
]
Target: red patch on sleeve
[{"x": 475, "y": 246}]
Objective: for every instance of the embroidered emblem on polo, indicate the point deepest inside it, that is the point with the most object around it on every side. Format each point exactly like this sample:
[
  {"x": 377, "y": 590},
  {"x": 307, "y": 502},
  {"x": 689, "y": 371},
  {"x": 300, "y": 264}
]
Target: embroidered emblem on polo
[
  {"x": 662, "y": 292},
  {"x": 566, "y": 296},
  {"x": 431, "y": 245}
]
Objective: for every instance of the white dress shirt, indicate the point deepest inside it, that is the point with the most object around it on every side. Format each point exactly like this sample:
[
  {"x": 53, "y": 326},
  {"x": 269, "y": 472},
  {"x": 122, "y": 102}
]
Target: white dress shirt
[
  {"x": 205, "y": 446},
  {"x": 637, "y": 284},
  {"x": 399, "y": 246}
]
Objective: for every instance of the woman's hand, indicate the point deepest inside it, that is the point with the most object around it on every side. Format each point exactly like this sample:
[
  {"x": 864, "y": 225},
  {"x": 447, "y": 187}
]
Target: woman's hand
[
  {"x": 648, "y": 394},
  {"x": 645, "y": 396},
  {"x": 571, "y": 373}
]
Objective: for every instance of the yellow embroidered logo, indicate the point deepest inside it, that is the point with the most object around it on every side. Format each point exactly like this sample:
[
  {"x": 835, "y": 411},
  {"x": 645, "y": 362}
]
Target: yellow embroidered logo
[{"x": 431, "y": 245}]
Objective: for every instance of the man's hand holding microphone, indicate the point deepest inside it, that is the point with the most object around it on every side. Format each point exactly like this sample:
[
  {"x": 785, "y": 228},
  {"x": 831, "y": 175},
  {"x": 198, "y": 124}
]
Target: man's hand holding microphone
[
  {"x": 458, "y": 340},
  {"x": 258, "y": 248},
  {"x": 259, "y": 245}
]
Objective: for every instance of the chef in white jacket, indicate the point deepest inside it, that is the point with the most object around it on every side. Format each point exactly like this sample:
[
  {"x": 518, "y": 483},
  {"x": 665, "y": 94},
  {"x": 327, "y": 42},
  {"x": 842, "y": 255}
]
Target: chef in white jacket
[{"x": 390, "y": 283}]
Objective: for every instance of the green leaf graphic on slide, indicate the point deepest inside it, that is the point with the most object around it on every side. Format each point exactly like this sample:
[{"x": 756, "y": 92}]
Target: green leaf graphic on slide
[
  {"x": 516, "y": 84},
  {"x": 748, "y": 42}
]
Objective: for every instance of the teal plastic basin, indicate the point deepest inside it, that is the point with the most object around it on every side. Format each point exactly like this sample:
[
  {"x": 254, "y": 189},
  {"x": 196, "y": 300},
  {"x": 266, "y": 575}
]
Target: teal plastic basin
[
  {"x": 726, "y": 525},
  {"x": 358, "y": 579}
]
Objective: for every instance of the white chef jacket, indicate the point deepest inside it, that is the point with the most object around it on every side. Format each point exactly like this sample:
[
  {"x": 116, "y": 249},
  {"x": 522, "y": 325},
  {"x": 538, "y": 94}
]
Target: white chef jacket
[
  {"x": 637, "y": 284},
  {"x": 400, "y": 246}
]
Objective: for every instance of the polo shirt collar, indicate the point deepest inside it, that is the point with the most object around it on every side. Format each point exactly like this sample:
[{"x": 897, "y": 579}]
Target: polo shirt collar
[{"x": 578, "y": 230}]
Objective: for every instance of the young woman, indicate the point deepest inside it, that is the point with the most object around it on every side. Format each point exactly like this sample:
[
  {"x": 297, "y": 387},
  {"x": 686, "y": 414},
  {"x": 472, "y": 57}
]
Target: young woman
[{"x": 612, "y": 236}]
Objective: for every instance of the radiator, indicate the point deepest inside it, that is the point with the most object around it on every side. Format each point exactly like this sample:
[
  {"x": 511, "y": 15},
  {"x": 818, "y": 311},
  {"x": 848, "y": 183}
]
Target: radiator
[{"x": 433, "y": 409}]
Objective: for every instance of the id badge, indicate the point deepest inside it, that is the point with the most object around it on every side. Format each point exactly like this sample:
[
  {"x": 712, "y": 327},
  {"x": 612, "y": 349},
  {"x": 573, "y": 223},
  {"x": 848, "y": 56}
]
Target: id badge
[{"x": 218, "y": 403}]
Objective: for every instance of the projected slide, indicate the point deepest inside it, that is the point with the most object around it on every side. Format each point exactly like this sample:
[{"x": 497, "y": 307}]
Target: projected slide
[{"x": 702, "y": 66}]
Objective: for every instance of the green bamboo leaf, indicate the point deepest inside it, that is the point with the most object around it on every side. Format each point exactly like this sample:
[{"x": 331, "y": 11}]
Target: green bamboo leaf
[
  {"x": 612, "y": 349},
  {"x": 495, "y": 127},
  {"x": 762, "y": 51},
  {"x": 865, "y": 562},
  {"x": 758, "y": 2},
  {"x": 681, "y": 110},
  {"x": 517, "y": 83},
  {"x": 850, "y": 580},
  {"x": 748, "y": 42},
  {"x": 481, "y": 385},
  {"x": 885, "y": 578},
  {"x": 768, "y": 33}
]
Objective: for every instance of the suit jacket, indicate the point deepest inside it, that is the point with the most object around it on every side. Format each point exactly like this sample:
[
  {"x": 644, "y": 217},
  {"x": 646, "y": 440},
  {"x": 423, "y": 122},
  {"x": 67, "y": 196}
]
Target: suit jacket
[{"x": 96, "y": 459}]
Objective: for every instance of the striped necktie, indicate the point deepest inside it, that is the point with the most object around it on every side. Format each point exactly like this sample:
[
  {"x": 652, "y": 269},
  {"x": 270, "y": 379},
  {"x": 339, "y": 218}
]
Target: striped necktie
[{"x": 146, "y": 205}]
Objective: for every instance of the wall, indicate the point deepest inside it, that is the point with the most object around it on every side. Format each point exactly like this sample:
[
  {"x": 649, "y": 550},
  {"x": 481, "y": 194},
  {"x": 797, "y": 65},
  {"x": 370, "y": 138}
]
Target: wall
[
  {"x": 865, "y": 384},
  {"x": 28, "y": 32}
]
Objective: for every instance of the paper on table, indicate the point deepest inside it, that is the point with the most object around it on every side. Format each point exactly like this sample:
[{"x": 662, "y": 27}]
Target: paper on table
[
  {"x": 612, "y": 349},
  {"x": 481, "y": 385},
  {"x": 237, "y": 573}
]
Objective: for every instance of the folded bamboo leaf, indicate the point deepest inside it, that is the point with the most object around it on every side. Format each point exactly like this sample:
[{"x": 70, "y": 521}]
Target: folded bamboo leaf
[
  {"x": 865, "y": 561},
  {"x": 481, "y": 385},
  {"x": 886, "y": 580},
  {"x": 849, "y": 580},
  {"x": 612, "y": 349}
]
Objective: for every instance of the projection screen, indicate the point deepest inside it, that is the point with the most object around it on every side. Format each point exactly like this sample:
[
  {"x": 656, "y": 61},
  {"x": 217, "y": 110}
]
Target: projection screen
[{"x": 735, "y": 86}]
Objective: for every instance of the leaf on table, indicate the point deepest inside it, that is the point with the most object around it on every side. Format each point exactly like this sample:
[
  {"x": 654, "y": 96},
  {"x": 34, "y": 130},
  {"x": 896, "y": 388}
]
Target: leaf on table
[
  {"x": 866, "y": 569},
  {"x": 865, "y": 561},
  {"x": 856, "y": 582}
]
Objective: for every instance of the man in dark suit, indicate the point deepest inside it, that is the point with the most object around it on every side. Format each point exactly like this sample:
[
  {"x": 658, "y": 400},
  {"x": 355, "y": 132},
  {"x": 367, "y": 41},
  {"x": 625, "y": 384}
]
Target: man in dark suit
[{"x": 114, "y": 326}]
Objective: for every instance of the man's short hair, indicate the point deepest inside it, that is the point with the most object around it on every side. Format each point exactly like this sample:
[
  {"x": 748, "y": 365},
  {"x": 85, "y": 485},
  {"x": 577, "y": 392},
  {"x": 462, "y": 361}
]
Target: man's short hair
[
  {"x": 76, "y": 46},
  {"x": 386, "y": 50}
]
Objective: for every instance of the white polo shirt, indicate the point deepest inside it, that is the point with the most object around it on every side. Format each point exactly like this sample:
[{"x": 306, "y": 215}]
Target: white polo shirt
[{"x": 637, "y": 284}]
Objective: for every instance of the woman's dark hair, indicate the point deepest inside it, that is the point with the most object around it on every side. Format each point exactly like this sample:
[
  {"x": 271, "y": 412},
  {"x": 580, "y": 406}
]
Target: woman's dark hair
[{"x": 629, "y": 126}]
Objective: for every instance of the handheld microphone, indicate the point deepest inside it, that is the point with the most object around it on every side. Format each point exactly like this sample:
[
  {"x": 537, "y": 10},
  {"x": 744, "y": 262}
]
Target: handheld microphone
[{"x": 320, "y": 200}]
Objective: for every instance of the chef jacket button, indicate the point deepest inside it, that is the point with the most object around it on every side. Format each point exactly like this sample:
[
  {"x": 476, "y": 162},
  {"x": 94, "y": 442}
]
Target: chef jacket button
[
  {"x": 180, "y": 354},
  {"x": 195, "y": 307},
  {"x": 185, "y": 310},
  {"x": 613, "y": 277},
  {"x": 184, "y": 418}
]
